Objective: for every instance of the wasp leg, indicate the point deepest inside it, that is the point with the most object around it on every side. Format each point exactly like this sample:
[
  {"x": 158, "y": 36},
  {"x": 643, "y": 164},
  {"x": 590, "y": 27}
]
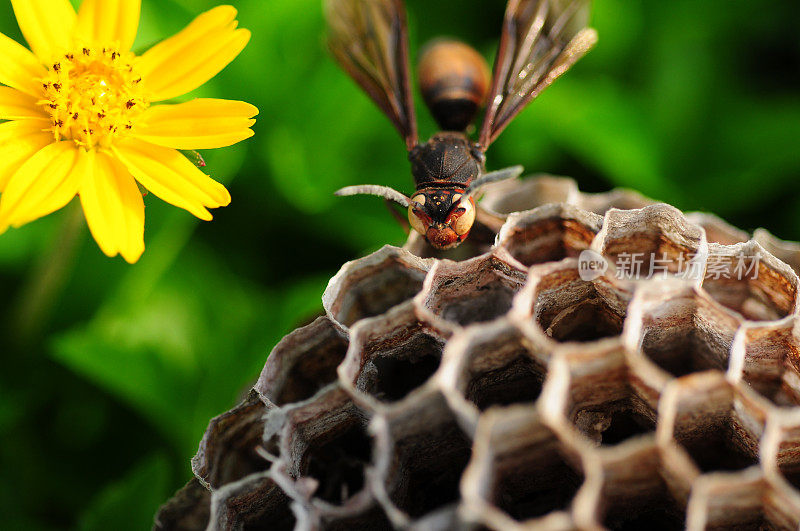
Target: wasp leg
[
  {"x": 491, "y": 219},
  {"x": 500, "y": 175}
]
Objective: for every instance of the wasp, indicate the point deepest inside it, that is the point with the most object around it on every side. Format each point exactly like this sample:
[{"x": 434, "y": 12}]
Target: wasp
[{"x": 540, "y": 40}]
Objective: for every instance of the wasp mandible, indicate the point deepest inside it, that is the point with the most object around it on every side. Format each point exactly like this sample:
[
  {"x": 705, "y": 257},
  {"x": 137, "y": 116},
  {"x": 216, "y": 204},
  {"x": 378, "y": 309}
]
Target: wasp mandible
[{"x": 540, "y": 40}]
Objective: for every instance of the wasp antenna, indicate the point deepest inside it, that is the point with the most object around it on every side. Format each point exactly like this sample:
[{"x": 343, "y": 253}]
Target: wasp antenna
[
  {"x": 373, "y": 189},
  {"x": 492, "y": 177}
]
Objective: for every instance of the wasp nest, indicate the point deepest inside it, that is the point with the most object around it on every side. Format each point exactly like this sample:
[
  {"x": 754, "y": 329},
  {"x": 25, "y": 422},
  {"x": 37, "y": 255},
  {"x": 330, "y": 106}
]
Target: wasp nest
[{"x": 595, "y": 362}]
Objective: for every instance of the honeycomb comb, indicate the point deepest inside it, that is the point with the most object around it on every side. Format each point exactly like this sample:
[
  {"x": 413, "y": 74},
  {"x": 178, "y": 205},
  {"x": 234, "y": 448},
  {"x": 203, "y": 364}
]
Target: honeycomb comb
[{"x": 497, "y": 387}]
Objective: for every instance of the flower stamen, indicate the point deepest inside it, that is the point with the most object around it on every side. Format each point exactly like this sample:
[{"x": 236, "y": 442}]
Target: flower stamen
[{"x": 92, "y": 96}]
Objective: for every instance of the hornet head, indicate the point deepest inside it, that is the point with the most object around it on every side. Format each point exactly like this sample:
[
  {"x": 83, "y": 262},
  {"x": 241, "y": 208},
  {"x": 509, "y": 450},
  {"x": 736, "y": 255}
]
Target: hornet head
[{"x": 443, "y": 216}]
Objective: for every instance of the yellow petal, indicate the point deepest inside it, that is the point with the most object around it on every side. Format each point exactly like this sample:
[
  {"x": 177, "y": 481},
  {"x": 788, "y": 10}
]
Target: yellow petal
[
  {"x": 20, "y": 141},
  {"x": 19, "y": 68},
  {"x": 197, "y": 124},
  {"x": 46, "y": 24},
  {"x": 193, "y": 56},
  {"x": 15, "y": 105},
  {"x": 45, "y": 183},
  {"x": 171, "y": 176},
  {"x": 204, "y": 24},
  {"x": 113, "y": 206},
  {"x": 109, "y": 22}
]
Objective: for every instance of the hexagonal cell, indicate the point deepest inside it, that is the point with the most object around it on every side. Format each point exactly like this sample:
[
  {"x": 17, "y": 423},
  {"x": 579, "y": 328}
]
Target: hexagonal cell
[
  {"x": 520, "y": 469},
  {"x": 303, "y": 362},
  {"x": 787, "y": 252},
  {"x": 371, "y": 285},
  {"x": 620, "y": 198},
  {"x": 477, "y": 290},
  {"x": 325, "y": 447},
  {"x": 517, "y": 196},
  {"x": 741, "y": 501},
  {"x": 549, "y": 233},
  {"x": 680, "y": 328},
  {"x": 603, "y": 399},
  {"x": 653, "y": 241},
  {"x": 421, "y": 452},
  {"x": 228, "y": 450},
  {"x": 393, "y": 354},
  {"x": 254, "y": 502},
  {"x": 780, "y": 449},
  {"x": 495, "y": 365},
  {"x": 639, "y": 490},
  {"x": 767, "y": 357},
  {"x": 717, "y": 229},
  {"x": 748, "y": 280},
  {"x": 567, "y": 308},
  {"x": 717, "y": 424},
  {"x": 187, "y": 510}
]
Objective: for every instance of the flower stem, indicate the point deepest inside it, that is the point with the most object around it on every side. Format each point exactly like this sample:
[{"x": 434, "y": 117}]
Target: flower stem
[{"x": 44, "y": 285}]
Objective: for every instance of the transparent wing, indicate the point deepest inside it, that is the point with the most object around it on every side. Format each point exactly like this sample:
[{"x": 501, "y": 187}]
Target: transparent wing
[
  {"x": 541, "y": 40},
  {"x": 369, "y": 39}
]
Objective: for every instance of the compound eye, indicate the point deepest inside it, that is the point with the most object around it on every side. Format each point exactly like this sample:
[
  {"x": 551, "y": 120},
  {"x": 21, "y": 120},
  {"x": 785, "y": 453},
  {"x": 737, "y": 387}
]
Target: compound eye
[
  {"x": 416, "y": 222},
  {"x": 463, "y": 223}
]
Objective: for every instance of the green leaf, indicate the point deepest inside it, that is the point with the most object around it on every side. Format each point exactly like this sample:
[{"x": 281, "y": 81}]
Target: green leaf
[{"x": 131, "y": 501}]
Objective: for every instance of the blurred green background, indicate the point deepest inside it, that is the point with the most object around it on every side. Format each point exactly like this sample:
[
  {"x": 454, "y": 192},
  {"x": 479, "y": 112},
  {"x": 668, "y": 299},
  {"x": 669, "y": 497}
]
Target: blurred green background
[{"x": 111, "y": 372}]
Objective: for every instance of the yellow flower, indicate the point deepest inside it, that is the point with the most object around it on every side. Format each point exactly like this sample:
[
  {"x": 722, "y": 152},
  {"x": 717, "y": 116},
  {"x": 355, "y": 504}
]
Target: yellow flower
[{"x": 80, "y": 120}]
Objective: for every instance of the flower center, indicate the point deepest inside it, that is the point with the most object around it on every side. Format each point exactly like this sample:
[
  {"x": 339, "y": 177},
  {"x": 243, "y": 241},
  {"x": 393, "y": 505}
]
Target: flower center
[{"x": 93, "y": 96}]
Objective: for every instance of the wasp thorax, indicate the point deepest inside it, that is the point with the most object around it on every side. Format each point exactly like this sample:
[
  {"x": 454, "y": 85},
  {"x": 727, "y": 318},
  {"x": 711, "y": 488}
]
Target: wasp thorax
[
  {"x": 454, "y": 80},
  {"x": 444, "y": 217}
]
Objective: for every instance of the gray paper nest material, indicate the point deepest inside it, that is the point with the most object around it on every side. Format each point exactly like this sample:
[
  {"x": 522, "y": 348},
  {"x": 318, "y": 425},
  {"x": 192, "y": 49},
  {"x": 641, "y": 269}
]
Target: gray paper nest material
[{"x": 499, "y": 387}]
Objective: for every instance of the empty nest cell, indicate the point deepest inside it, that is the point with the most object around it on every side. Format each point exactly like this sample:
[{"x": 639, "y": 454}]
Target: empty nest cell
[
  {"x": 394, "y": 354},
  {"x": 326, "y": 440},
  {"x": 713, "y": 421},
  {"x": 681, "y": 329},
  {"x": 768, "y": 359},
  {"x": 717, "y": 229},
  {"x": 549, "y": 233},
  {"x": 187, "y": 509},
  {"x": 495, "y": 365},
  {"x": 255, "y": 502},
  {"x": 639, "y": 491},
  {"x": 654, "y": 241},
  {"x": 371, "y": 285},
  {"x": 518, "y": 196},
  {"x": 567, "y": 308},
  {"x": 619, "y": 198},
  {"x": 229, "y": 448},
  {"x": 520, "y": 468},
  {"x": 741, "y": 501},
  {"x": 422, "y": 453},
  {"x": 603, "y": 399},
  {"x": 750, "y": 281},
  {"x": 787, "y": 252},
  {"x": 780, "y": 447},
  {"x": 303, "y": 362},
  {"x": 521, "y": 496},
  {"x": 477, "y": 290}
]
